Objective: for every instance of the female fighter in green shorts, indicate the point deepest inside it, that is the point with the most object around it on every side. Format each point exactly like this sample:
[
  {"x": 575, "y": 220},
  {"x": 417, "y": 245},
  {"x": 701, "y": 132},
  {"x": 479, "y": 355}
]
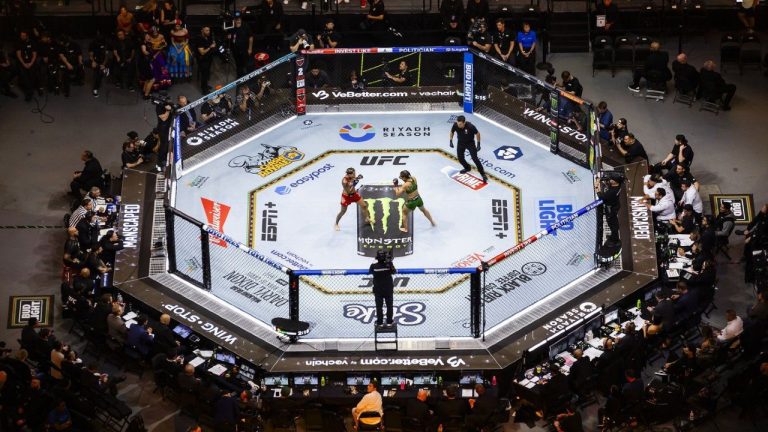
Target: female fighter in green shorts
[{"x": 413, "y": 199}]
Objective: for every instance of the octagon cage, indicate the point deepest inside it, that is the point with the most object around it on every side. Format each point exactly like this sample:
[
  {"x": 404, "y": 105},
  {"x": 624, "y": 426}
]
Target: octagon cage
[{"x": 464, "y": 299}]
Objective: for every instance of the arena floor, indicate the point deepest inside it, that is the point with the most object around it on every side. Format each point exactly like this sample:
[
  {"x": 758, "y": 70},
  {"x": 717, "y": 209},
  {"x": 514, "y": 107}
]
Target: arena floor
[{"x": 279, "y": 194}]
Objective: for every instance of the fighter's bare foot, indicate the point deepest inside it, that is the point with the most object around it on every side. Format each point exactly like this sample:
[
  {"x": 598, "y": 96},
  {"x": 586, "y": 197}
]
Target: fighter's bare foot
[
  {"x": 405, "y": 230},
  {"x": 336, "y": 227}
]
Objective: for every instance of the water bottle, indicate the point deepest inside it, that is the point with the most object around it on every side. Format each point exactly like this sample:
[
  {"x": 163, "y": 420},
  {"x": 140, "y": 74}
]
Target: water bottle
[
  {"x": 493, "y": 381},
  {"x": 322, "y": 381},
  {"x": 440, "y": 380},
  {"x": 119, "y": 298},
  {"x": 402, "y": 384},
  {"x": 639, "y": 305}
]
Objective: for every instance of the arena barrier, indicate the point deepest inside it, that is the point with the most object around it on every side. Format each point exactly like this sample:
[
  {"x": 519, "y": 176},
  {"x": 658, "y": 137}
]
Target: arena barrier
[{"x": 490, "y": 291}]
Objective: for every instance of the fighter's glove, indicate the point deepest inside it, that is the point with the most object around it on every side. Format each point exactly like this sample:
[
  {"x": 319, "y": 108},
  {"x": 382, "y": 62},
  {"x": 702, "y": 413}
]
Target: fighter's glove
[{"x": 450, "y": 143}]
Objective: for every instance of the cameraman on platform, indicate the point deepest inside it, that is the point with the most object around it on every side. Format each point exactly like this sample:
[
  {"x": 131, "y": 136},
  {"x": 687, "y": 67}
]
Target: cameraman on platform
[
  {"x": 607, "y": 189},
  {"x": 164, "y": 120},
  {"x": 383, "y": 285}
]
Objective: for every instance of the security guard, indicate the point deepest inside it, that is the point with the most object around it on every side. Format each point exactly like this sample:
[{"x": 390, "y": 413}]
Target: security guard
[{"x": 383, "y": 285}]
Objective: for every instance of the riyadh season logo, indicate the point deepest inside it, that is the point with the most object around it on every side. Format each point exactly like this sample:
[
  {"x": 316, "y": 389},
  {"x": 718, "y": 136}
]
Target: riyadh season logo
[{"x": 357, "y": 132}]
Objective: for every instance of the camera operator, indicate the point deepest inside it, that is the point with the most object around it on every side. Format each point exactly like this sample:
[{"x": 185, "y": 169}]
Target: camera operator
[
  {"x": 123, "y": 55},
  {"x": 216, "y": 108},
  {"x": 187, "y": 119},
  {"x": 205, "y": 48},
  {"x": 164, "y": 121},
  {"x": 329, "y": 38},
  {"x": 478, "y": 36},
  {"x": 242, "y": 45},
  {"x": 608, "y": 189},
  {"x": 301, "y": 40},
  {"x": 383, "y": 286},
  {"x": 245, "y": 103}
]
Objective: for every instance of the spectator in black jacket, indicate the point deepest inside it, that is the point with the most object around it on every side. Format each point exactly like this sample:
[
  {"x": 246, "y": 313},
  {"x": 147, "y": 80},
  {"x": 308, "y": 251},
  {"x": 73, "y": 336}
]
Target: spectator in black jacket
[
  {"x": 482, "y": 409},
  {"x": 713, "y": 87},
  {"x": 686, "y": 76},
  {"x": 29, "y": 335},
  {"x": 89, "y": 177},
  {"x": 663, "y": 315},
  {"x": 656, "y": 63},
  {"x": 571, "y": 84},
  {"x": 100, "y": 313},
  {"x": 451, "y": 407},
  {"x": 88, "y": 231},
  {"x": 581, "y": 371},
  {"x": 164, "y": 340},
  {"x": 686, "y": 301},
  {"x": 227, "y": 412},
  {"x": 110, "y": 244},
  {"x": 632, "y": 149},
  {"x": 633, "y": 390},
  {"x": 187, "y": 119},
  {"x": 418, "y": 409}
]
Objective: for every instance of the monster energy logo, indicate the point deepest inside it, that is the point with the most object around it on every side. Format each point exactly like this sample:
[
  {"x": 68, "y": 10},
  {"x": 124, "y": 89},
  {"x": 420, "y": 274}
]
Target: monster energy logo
[{"x": 386, "y": 211}]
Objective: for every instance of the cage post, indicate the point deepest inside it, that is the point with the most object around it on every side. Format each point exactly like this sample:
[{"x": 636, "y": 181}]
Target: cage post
[
  {"x": 474, "y": 307},
  {"x": 293, "y": 296},
  {"x": 170, "y": 241},
  {"x": 205, "y": 248}
]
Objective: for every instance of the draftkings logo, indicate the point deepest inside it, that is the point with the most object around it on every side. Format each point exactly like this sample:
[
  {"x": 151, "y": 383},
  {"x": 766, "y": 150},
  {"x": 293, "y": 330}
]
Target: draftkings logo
[
  {"x": 216, "y": 214},
  {"x": 405, "y": 314},
  {"x": 386, "y": 214},
  {"x": 268, "y": 161}
]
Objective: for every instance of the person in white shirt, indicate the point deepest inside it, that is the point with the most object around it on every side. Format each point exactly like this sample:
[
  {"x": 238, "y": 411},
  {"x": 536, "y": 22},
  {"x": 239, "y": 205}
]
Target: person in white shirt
[
  {"x": 664, "y": 209},
  {"x": 370, "y": 402},
  {"x": 734, "y": 327},
  {"x": 653, "y": 182},
  {"x": 691, "y": 196}
]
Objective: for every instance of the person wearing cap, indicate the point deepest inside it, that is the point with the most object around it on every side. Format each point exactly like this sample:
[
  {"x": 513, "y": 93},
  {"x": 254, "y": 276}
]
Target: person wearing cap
[
  {"x": 242, "y": 45},
  {"x": 329, "y": 38},
  {"x": 300, "y": 40},
  {"x": 481, "y": 40}
]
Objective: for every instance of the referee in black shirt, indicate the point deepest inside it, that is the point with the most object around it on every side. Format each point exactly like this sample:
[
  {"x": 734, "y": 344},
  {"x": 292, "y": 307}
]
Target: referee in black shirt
[{"x": 466, "y": 142}]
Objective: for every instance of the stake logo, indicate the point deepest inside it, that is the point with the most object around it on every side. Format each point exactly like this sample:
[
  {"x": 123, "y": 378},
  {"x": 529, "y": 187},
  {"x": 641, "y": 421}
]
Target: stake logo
[
  {"x": 216, "y": 214},
  {"x": 357, "y": 132},
  {"x": 405, "y": 314},
  {"x": 465, "y": 179},
  {"x": 383, "y": 233}
]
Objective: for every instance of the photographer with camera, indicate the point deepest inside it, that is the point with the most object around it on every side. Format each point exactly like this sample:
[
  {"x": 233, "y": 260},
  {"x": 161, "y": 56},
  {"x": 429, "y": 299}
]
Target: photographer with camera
[
  {"x": 383, "y": 286},
  {"x": 246, "y": 103},
  {"x": 607, "y": 188},
  {"x": 329, "y": 38},
  {"x": 216, "y": 108},
  {"x": 478, "y": 36},
  {"x": 301, "y": 40},
  {"x": 618, "y": 131},
  {"x": 205, "y": 48}
]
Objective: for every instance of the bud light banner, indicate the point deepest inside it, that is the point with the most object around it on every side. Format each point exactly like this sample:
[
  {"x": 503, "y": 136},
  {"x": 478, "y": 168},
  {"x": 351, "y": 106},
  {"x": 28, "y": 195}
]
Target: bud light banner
[{"x": 469, "y": 96}]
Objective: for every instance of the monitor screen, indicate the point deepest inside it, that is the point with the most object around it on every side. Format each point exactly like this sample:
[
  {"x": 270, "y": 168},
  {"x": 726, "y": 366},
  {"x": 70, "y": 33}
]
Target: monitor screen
[
  {"x": 558, "y": 347},
  {"x": 471, "y": 378},
  {"x": 358, "y": 380},
  {"x": 182, "y": 330},
  {"x": 390, "y": 380},
  {"x": 305, "y": 380},
  {"x": 276, "y": 380},
  {"x": 246, "y": 372},
  {"x": 225, "y": 358},
  {"x": 611, "y": 316},
  {"x": 425, "y": 380}
]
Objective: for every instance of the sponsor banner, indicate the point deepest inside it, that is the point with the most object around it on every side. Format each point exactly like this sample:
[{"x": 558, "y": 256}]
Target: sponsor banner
[
  {"x": 506, "y": 283},
  {"x": 216, "y": 214},
  {"x": 742, "y": 206},
  {"x": 411, "y": 313},
  {"x": 384, "y": 160},
  {"x": 550, "y": 211},
  {"x": 393, "y": 50},
  {"x": 571, "y": 176},
  {"x": 309, "y": 124},
  {"x": 466, "y": 179},
  {"x": 383, "y": 94},
  {"x": 130, "y": 217},
  {"x": 500, "y": 214},
  {"x": 532, "y": 117},
  {"x": 455, "y": 362},
  {"x": 468, "y": 83},
  {"x": 385, "y": 211},
  {"x": 312, "y": 176},
  {"x": 473, "y": 260},
  {"x": 296, "y": 261},
  {"x": 268, "y": 161},
  {"x": 22, "y": 308},
  {"x": 263, "y": 288},
  {"x": 357, "y": 132},
  {"x": 641, "y": 218},
  {"x": 188, "y": 316},
  {"x": 219, "y": 130},
  {"x": 269, "y": 222},
  {"x": 498, "y": 169},
  {"x": 301, "y": 99},
  {"x": 560, "y": 322}
]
